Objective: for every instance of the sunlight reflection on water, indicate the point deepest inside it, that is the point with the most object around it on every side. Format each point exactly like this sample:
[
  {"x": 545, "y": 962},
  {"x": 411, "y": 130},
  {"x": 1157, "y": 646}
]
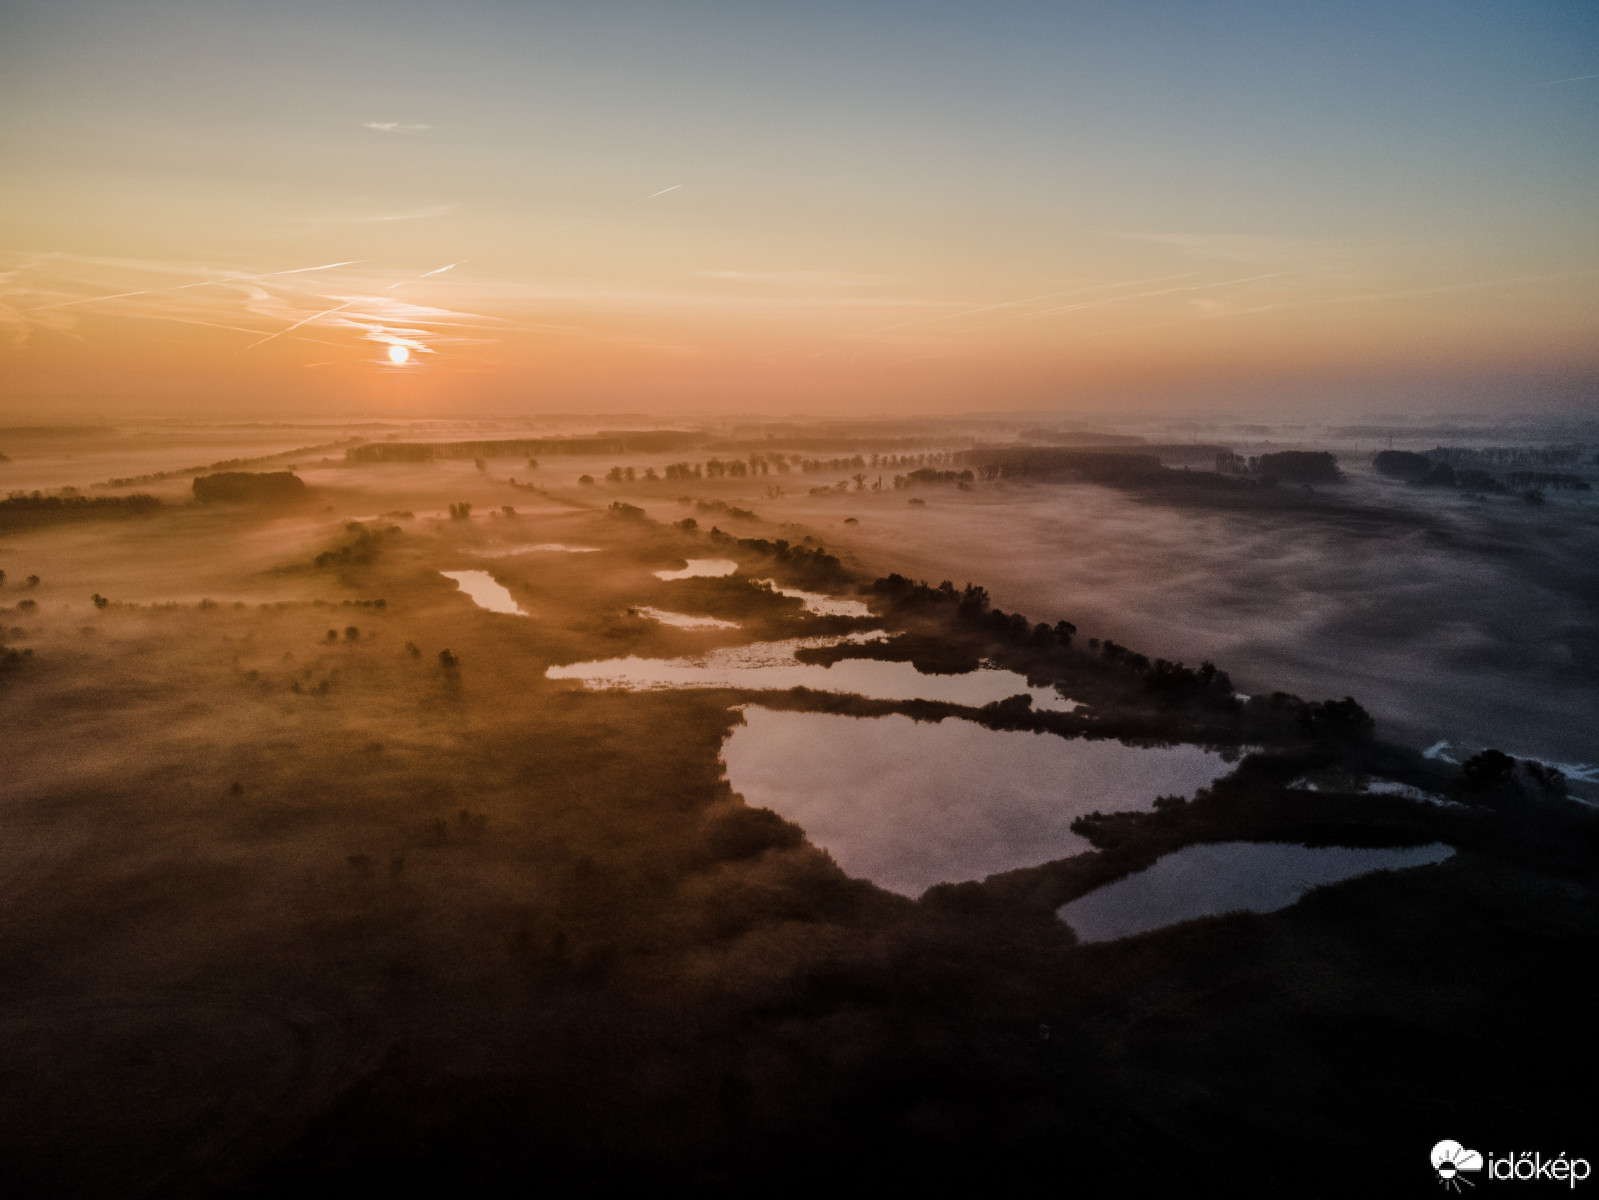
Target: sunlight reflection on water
[
  {"x": 770, "y": 666},
  {"x": 908, "y": 804},
  {"x": 485, "y": 593},
  {"x": 701, "y": 568},
  {"x": 1220, "y": 877}
]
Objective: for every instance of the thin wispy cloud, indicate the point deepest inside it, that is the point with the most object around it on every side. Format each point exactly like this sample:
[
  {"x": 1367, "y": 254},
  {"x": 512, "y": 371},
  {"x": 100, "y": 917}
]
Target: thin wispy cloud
[
  {"x": 395, "y": 126},
  {"x": 301, "y": 304}
]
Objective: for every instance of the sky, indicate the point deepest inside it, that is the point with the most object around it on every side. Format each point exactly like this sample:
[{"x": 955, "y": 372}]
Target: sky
[{"x": 213, "y": 207}]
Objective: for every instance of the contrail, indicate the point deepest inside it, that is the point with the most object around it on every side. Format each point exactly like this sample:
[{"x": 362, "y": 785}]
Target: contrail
[
  {"x": 296, "y": 325},
  {"x": 203, "y": 283},
  {"x": 1570, "y": 79},
  {"x": 440, "y": 271},
  {"x": 338, "y": 307},
  {"x": 662, "y": 192}
]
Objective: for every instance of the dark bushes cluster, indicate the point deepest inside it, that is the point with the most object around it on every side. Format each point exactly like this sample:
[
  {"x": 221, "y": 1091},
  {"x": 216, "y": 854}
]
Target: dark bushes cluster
[
  {"x": 361, "y": 551},
  {"x": 35, "y": 508},
  {"x": 809, "y": 560},
  {"x": 250, "y": 487}
]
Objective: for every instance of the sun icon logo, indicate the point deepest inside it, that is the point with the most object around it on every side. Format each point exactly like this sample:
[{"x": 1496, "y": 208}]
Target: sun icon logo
[{"x": 1449, "y": 1159}]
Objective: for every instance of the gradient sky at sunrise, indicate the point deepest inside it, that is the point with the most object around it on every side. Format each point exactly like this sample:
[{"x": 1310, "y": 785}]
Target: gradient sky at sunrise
[{"x": 830, "y": 207}]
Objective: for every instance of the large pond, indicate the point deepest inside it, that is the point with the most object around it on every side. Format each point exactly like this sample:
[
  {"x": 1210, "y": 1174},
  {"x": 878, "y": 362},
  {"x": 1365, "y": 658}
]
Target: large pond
[
  {"x": 907, "y": 804},
  {"x": 485, "y": 592},
  {"x": 1221, "y": 877},
  {"x": 771, "y": 666}
]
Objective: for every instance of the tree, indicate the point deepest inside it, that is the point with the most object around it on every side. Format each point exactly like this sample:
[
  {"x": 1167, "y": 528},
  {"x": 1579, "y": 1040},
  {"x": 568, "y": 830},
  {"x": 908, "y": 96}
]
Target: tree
[{"x": 1487, "y": 770}]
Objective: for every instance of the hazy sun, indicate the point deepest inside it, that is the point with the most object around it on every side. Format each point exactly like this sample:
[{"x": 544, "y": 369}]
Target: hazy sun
[{"x": 398, "y": 355}]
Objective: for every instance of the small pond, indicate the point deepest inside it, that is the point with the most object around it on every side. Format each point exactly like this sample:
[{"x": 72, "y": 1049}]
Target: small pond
[
  {"x": 698, "y": 568},
  {"x": 770, "y": 666},
  {"x": 907, "y": 804},
  {"x": 817, "y": 603},
  {"x": 539, "y": 548},
  {"x": 485, "y": 592},
  {"x": 681, "y": 620},
  {"x": 1221, "y": 877}
]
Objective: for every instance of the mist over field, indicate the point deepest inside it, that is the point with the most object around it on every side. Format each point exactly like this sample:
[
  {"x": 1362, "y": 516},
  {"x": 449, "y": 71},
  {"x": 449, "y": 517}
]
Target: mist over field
[
  {"x": 642, "y": 796},
  {"x": 790, "y": 600},
  {"x": 1472, "y": 623}
]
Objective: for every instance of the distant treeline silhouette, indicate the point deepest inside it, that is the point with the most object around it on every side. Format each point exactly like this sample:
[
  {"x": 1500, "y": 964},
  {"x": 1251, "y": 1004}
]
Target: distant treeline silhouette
[
  {"x": 227, "y": 464},
  {"x": 247, "y": 487},
  {"x": 652, "y": 441},
  {"x": 1439, "y": 468},
  {"x": 20, "y": 509}
]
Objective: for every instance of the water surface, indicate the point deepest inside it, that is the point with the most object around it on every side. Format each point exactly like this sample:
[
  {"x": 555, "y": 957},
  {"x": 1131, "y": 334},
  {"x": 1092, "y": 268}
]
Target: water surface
[
  {"x": 485, "y": 592},
  {"x": 701, "y": 568},
  {"x": 682, "y": 620},
  {"x": 1221, "y": 877},
  {"x": 817, "y": 603},
  {"x": 539, "y": 548},
  {"x": 770, "y": 666},
  {"x": 908, "y": 805}
]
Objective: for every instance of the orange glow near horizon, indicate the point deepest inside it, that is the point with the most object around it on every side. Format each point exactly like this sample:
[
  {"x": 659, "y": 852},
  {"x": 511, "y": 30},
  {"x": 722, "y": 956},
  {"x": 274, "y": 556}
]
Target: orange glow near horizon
[{"x": 725, "y": 234}]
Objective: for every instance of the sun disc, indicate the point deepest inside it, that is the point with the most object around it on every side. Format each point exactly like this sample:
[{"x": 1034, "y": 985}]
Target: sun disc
[{"x": 398, "y": 355}]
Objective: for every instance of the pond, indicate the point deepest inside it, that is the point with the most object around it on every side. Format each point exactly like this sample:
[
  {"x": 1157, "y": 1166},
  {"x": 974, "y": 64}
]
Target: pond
[
  {"x": 539, "y": 548},
  {"x": 771, "y": 666},
  {"x": 816, "y": 602},
  {"x": 907, "y": 804},
  {"x": 485, "y": 592},
  {"x": 707, "y": 568},
  {"x": 681, "y": 620},
  {"x": 1221, "y": 877}
]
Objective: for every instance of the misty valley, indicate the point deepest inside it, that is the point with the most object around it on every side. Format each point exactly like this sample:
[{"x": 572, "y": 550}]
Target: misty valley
[{"x": 396, "y": 805}]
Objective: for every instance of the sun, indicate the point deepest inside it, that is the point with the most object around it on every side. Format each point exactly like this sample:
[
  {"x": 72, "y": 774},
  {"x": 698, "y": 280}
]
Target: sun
[{"x": 399, "y": 355}]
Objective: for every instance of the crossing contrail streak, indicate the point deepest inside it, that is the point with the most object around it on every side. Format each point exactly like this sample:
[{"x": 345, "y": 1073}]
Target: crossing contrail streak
[{"x": 202, "y": 283}]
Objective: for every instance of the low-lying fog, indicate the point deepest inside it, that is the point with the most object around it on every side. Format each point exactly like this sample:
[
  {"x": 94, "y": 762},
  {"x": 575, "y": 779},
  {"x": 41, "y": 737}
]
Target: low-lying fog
[{"x": 1450, "y": 621}]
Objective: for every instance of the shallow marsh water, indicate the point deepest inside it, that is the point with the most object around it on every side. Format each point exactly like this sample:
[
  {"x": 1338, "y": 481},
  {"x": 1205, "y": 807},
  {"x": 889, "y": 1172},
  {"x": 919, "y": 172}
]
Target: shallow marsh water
[
  {"x": 539, "y": 548},
  {"x": 907, "y": 804},
  {"x": 701, "y": 568},
  {"x": 771, "y": 666},
  {"x": 817, "y": 603},
  {"x": 681, "y": 620},
  {"x": 485, "y": 592},
  {"x": 1221, "y": 877}
]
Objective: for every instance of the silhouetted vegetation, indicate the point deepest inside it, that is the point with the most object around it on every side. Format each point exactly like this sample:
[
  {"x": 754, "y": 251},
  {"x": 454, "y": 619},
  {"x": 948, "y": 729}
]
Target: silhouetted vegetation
[
  {"x": 1402, "y": 464},
  {"x": 1298, "y": 466},
  {"x": 228, "y": 464},
  {"x": 22, "y": 510},
  {"x": 247, "y": 487},
  {"x": 361, "y": 550}
]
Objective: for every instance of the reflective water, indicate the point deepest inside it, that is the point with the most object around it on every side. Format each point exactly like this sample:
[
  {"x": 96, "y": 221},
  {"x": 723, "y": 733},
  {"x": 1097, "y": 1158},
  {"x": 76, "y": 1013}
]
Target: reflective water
[
  {"x": 816, "y": 602},
  {"x": 1202, "y": 881},
  {"x": 539, "y": 548},
  {"x": 908, "y": 805},
  {"x": 681, "y": 620},
  {"x": 485, "y": 593},
  {"x": 770, "y": 666},
  {"x": 698, "y": 567}
]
